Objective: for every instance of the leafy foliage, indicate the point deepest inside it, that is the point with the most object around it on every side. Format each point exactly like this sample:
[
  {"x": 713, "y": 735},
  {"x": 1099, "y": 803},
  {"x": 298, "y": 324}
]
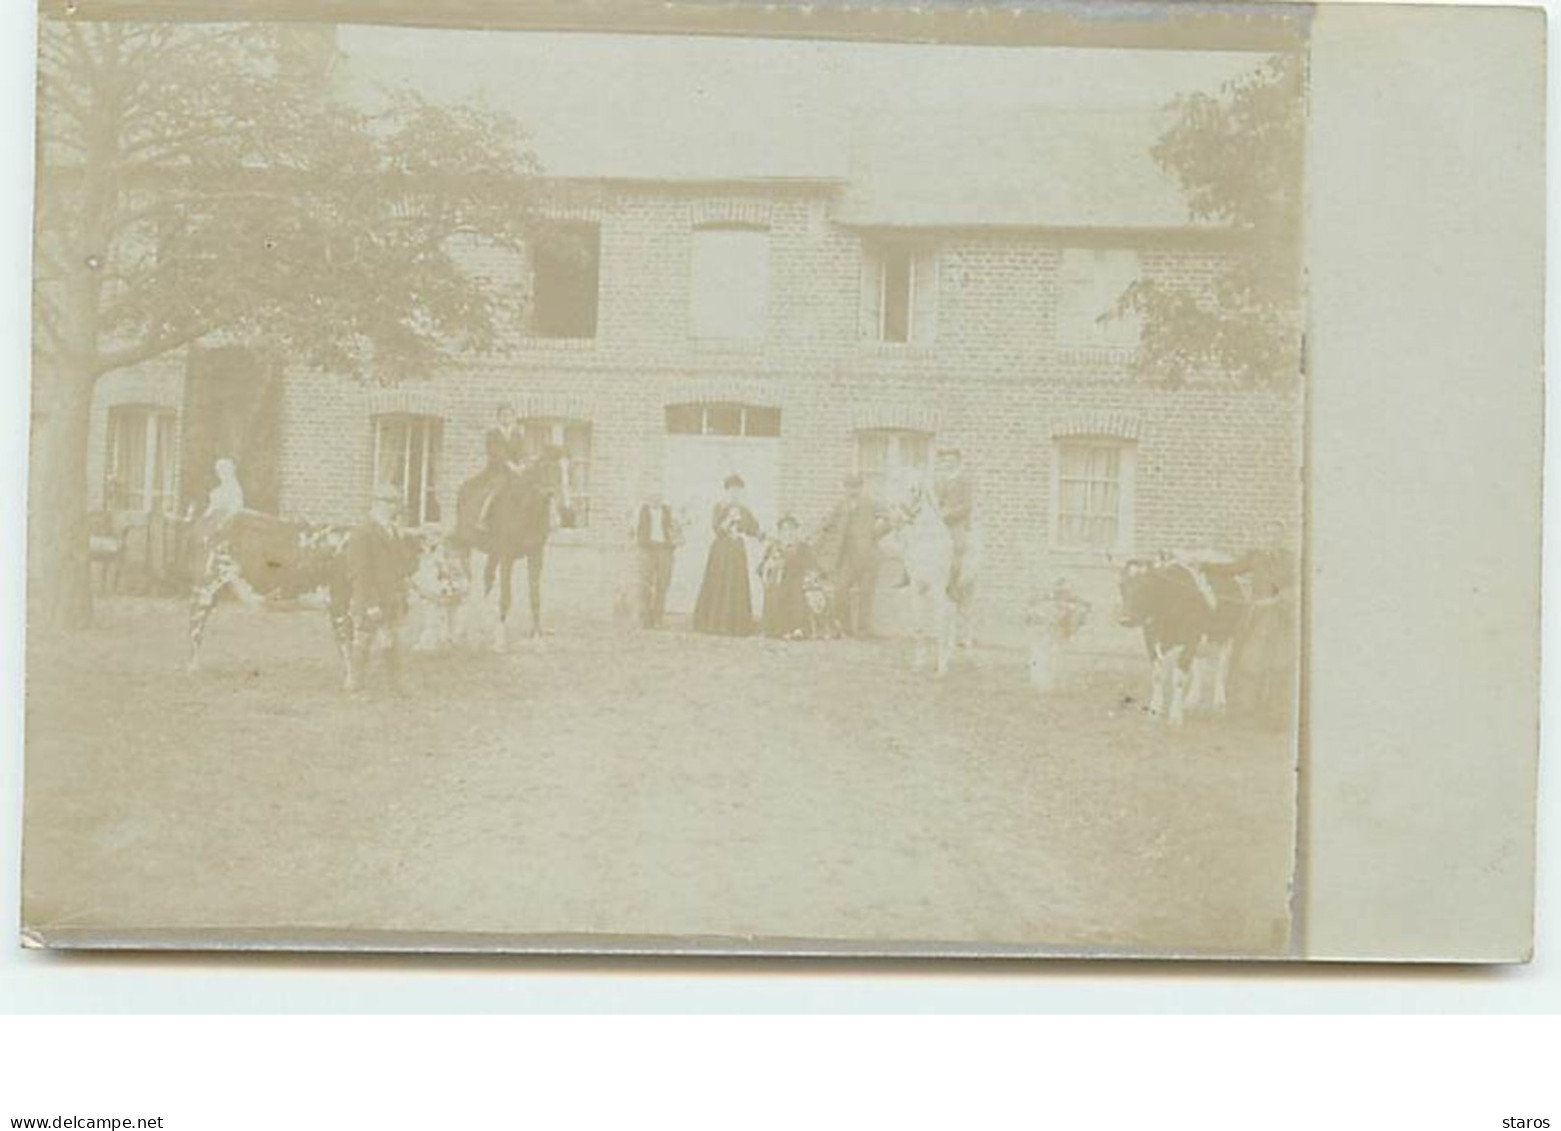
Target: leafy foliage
[
  {"x": 1238, "y": 158},
  {"x": 214, "y": 178}
]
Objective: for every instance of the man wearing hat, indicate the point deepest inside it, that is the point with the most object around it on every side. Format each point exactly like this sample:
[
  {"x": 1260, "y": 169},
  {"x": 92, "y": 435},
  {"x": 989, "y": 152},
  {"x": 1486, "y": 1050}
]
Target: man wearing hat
[
  {"x": 379, "y": 561},
  {"x": 848, "y": 551},
  {"x": 956, "y": 499}
]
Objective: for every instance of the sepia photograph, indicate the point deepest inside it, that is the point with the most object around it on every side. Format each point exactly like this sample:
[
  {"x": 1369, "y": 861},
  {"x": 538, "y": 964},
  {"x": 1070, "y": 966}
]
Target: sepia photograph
[{"x": 591, "y": 489}]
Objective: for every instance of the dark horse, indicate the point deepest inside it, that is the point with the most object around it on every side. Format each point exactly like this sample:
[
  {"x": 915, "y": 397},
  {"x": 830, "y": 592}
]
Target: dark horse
[{"x": 517, "y": 526}]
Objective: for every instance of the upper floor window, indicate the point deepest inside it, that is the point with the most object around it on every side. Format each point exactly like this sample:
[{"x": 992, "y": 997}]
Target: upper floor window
[
  {"x": 572, "y": 438},
  {"x": 406, "y": 454},
  {"x": 885, "y": 455},
  {"x": 1090, "y": 282},
  {"x": 720, "y": 418},
  {"x": 899, "y": 293},
  {"x": 731, "y": 282},
  {"x": 565, "y": 281},
  {"x": 1092, "y": 494},
  {"x": 142, "y": 448}
]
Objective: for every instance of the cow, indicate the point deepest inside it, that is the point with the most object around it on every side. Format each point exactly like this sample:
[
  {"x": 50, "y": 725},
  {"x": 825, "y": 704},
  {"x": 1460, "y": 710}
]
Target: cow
[
  {"x": 261, "y": 559},
  {"x": 1184, "y": 607}
]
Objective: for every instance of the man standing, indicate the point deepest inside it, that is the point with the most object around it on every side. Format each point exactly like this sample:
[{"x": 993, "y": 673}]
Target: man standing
[
  {"x": 956, "y": 498},
  {"x": 656, "y": 535},
  {"x": 848, "y": 551},
  {"x": 379, "y": 561}
]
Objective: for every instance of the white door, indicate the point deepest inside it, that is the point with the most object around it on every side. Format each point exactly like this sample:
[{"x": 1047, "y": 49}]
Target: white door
[{"x": 695, "y": 469}]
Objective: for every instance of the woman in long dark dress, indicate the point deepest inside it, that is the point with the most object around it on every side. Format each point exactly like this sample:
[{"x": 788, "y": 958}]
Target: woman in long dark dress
[
  {"x": 725, "y": 605},
  {"x": 785, "y": 568}
]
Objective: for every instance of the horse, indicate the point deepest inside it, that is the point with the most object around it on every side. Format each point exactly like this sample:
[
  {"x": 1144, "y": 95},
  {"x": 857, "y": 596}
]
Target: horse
[
  {"x": 518, "y": 524},
  {"x": 927, "y": 550}
]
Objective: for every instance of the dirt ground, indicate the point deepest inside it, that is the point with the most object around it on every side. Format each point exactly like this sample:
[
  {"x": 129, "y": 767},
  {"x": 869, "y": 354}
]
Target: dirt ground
[{"x": 637, "y": 783}]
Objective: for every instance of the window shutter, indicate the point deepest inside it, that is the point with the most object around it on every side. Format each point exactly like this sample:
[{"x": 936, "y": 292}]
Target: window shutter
[
  {"x": 871, "y": 314},
  {"x": 924, "y": 298},
  {"x": 1121, "y": 272},
  {"x": 1075, "y": 296}
]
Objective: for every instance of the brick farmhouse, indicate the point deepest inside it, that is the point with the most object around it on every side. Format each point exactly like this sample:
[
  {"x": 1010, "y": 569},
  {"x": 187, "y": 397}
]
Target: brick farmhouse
[{"x": 942, "y": 280}]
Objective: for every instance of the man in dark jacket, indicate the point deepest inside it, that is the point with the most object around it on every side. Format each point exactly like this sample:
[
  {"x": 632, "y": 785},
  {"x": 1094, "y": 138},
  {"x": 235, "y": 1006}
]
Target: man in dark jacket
[
  {"x": 656, "y": 534},
  {"x": 379, "y": 561},
  {"x": 848, "y": 551}
]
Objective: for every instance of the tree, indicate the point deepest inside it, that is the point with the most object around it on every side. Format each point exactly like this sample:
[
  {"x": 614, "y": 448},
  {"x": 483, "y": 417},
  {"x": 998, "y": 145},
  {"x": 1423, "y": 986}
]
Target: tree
[
  {"x": 1238, "y": 157},
  {"x": 219, "y": 182}
]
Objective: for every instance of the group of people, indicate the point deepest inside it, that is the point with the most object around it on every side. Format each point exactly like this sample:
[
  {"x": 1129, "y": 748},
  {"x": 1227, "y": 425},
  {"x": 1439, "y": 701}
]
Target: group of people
[{"x": 811, "y": 586}]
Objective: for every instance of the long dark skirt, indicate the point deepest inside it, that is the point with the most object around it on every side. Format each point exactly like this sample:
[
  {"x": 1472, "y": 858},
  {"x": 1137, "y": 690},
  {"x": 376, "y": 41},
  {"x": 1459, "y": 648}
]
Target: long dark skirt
[
  {"x": 786, "y": 610},
  {"x": 725, "y": 605}
]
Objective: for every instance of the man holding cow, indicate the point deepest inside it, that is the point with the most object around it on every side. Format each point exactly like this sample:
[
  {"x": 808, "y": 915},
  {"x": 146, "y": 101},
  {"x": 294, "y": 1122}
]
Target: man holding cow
[{"x": 380, "y": 559}]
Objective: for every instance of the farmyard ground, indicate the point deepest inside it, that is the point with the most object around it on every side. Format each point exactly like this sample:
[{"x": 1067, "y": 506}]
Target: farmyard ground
[{"x": 637, "y": 784}]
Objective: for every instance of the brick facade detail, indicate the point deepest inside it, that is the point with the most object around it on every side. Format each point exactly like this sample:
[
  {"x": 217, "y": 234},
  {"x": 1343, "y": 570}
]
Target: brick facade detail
[{"x": 1212, "y": 463}]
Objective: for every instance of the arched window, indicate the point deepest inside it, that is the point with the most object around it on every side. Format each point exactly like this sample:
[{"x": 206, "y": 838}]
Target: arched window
[
  {"x": 1092, "y": 493},
  {"x": 406, "y": 454},
  {"x": 885, "y": 454},
  {"x": 723, "y": 418},
  {"x": 573, "y": 438}
]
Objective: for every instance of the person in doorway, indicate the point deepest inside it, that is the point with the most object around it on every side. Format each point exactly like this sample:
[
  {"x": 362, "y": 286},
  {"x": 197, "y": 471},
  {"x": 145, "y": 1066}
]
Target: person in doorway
[
  {"x": 656, "y": 537},
  {"x": 725, "y": 604},
  {"x": 505, "y": 446},
  {"x": 379, "y": 561},
  {"x": 226, "y": 499},
  {"x": 848, "y": 551}
]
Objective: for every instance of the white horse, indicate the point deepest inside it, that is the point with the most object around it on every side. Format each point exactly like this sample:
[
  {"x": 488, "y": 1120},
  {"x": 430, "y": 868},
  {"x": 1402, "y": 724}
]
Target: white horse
[{"x": 927, "y": 550}]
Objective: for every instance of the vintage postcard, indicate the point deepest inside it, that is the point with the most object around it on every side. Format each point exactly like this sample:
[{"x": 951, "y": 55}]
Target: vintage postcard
[{"x": 699, "y": 479}]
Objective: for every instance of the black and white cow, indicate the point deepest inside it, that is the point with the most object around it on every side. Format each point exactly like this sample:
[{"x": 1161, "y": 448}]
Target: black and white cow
[
  {"x": 1188, "y": 611},
  {"x": 261, "y": 559}
]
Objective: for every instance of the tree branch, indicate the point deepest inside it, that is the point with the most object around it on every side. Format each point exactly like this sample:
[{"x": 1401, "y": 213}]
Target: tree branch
[{"x": 154, "y": 346}]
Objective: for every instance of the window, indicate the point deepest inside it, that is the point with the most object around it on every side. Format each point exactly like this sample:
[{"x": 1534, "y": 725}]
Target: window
[
  {"x": 1092, "y": 495},
  {"x": 141, "y": 454},
  {"x": 406, "y": 454},
  {"x": 573, "y": 438},
  {"x": 731, "y": 282},
  {"x": 720, "y": 418},
  {"x": 883, "y": 455},
  {"x": 1090, "y": 282},
  {"x": 899, "y": 293},
  {"x": 565, "y": 277}
]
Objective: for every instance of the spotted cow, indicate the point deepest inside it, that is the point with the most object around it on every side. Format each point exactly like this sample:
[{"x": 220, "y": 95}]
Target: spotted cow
[
  {"x": 1187, "y": 611},
  {"x": 263, "y": 560}
]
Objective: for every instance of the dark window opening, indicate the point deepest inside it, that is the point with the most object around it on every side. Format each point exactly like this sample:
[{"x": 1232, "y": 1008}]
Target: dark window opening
[
  {"x": 897, "y": 275},
  {"x": 565, "y": 281}
]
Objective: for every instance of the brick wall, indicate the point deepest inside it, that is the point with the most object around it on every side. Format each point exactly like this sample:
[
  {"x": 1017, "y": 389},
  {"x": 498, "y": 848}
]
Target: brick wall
[{"x": 1212, "y": 463}]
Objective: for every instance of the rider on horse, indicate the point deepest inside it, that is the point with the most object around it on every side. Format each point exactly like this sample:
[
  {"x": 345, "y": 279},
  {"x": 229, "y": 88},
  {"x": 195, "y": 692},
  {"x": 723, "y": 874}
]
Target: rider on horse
[{"x": 506, "y": 462}]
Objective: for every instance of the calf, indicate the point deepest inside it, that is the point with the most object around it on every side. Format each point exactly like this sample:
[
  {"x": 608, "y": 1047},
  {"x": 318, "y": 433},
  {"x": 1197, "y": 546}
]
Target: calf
[
  {"x": 1182, "y": 607},
  {"x": 261, "y": 559}
]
